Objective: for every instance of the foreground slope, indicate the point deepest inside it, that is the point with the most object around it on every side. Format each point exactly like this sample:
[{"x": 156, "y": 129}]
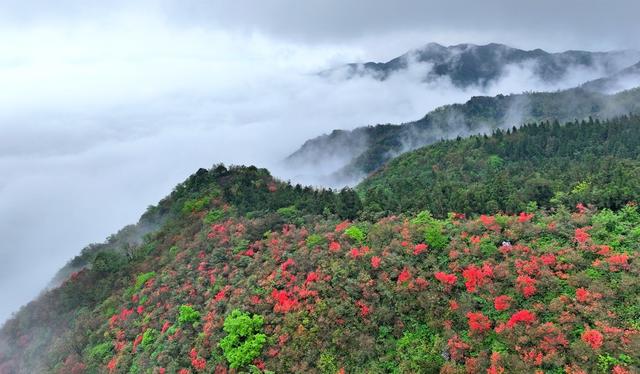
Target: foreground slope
[{"x": 501, "y": 293}]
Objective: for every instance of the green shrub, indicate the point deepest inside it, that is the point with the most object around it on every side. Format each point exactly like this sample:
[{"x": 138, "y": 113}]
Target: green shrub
[
  {"x": 188, "y": 315},
  {"x": 355, "y": 233},
  {"x": 143, "y": 278},
  {"x": 149, "y": 337},
  {"x": 244, "y": 340},
  {"x": 99, "y": 353},
  {"x": 435, "y": 238},
  {"x": 213, "y": 216},
  {"x": 315, "y": 240}
]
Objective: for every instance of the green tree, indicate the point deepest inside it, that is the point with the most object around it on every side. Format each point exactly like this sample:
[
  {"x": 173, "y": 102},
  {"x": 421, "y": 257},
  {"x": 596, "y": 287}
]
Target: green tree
[{"x": 244, "y": 339}]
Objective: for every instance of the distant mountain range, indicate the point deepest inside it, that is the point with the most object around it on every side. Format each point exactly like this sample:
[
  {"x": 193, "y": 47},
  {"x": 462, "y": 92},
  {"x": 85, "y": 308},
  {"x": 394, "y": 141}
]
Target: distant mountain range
[
  {"x": 346, "y": 156},
  {"x": 470, "y": 64}
]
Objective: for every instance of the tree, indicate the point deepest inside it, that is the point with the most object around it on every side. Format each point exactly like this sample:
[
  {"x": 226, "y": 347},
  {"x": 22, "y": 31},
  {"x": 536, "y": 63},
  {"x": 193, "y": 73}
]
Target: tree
[{"x": 244, "y": 339}]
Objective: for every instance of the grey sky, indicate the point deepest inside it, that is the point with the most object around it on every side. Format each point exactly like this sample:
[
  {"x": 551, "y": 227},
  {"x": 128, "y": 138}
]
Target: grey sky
[{"x": 107, "y": 105}]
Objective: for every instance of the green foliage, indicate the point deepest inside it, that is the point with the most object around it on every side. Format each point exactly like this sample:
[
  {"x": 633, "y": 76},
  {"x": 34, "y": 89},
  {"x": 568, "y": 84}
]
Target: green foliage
[
  {"x": 108, "y": 262},
  {"x": 149, "y": 337},
  {"x": 99, "y": 353},
  {"x": 143, "y": 278},
  {"x": 355, "y": 233},
  {"x": 327, "y": 363},
  {"x": 188, "y": 315},
  {"x": 196, "y": 205},
  {"x": 315, "y": 240},
  {"x": 289, "y": 212},
  {"x": 214, "y": 215},
  {"x": 434, "y": 236},
  {"x": 244, "y": 340},
  {"x": 419, "y": 350}
]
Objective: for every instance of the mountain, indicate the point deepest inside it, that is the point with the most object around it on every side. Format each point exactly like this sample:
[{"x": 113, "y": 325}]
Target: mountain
[
  {"x": 469, "y": 64},
  {"x": 547, "y": 164},
  {"x": 247, "y": 274},
  {"x": 365, "y": 149},
  {"x": 623, "y": 80}
]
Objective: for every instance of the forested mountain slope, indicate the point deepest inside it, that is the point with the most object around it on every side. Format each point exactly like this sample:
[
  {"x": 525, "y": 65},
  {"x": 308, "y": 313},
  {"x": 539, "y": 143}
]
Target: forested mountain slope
[
  {"x": 365, "y": 149},
  {"x": 595, "y": 162},
  {"x": 470, "y": 64}
]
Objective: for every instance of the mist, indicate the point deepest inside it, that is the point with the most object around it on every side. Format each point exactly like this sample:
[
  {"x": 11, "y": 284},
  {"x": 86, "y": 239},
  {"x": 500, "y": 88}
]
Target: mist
[{"x": 98, "y": 120}]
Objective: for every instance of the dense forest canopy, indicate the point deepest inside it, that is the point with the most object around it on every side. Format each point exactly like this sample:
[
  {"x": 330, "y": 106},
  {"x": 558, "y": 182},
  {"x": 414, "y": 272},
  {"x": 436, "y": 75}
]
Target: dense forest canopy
[{"x": 547, "y": 164}]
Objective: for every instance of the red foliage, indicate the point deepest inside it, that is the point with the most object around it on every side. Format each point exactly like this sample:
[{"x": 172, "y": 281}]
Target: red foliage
[
  {"x": 478, "y": 322},
  {"x": 354, "y": 253},
  {"x": 457, "y": 348},
  {"x": 521, "y": 316},
  {"x": 311, "y": 277},
  {"x": 113, "y": 363},
  {"x": 419, "y": 248},
  {"x": 334, "y": 246},
  {"x": 617, "y": 262},
  {"x": 165, "y": 326},
  {"x": 375, "y": 262},
  {"x": 342, "y": 226},
  {"x": 502, "y": 302},
  {"x": 364, "y": 309},
  {"x": 404, "y": 276},
  {"x": 526, "y": 285},
  {"x": 198, "y": 363},
  {"x": 582, "y": 295},
  {"x": 487, "y": 220},
  {"x": 137, "y": 342},
  {"x": 592, "y": 337},
  {"x": 285, "y": 265},
  {"x": 581, "y": 235},
  {"x": 525, "y": 217},
  {"x": 475, "y": 276},
  {"x": 284, "y": 301},
  {"x": 447, "y": 279}
]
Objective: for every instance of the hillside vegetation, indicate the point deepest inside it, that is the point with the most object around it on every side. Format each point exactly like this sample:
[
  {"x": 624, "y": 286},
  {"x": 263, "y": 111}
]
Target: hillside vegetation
[
  {"x": 248, "y": 274},
  {"x": 595, "y": 162}
]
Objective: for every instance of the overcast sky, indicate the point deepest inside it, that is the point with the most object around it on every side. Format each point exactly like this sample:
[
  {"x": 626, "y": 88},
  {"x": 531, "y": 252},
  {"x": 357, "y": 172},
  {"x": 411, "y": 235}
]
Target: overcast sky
[{"x": 106, "y": 105}]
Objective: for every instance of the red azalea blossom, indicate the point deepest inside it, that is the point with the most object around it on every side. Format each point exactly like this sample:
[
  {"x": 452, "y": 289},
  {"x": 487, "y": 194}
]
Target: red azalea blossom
[
  {"x": 375, "y": 262},
  {"x": 354, "y": 253},
  {"x": 334, "y": 246},
  {"x": 342, "y": 226},
  {"x": 419, "y": 248},
  {"x": 453, "y": 305},
  {"x": 592, "y": 337},
  {"x": 404, "y": 276},
  {"x": 502, "y": 302},
  {"x": 364, "y": 309},
  {"x": 582, "y": 295},
  {"x": 581, "y": 208},
  {"x": 487, "y": 220},
  {"x": 522, "y": 316},
  {"x": 617, "y": 262},
  {"x": 581, "y": 236},
  {"x": 444, "y": 278},
  {"x": 475, "y": 276},
  {"x": 526, "y": 285},
  {"x": 524, "y": 217},
  {"x": 478, "y": 322}
]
